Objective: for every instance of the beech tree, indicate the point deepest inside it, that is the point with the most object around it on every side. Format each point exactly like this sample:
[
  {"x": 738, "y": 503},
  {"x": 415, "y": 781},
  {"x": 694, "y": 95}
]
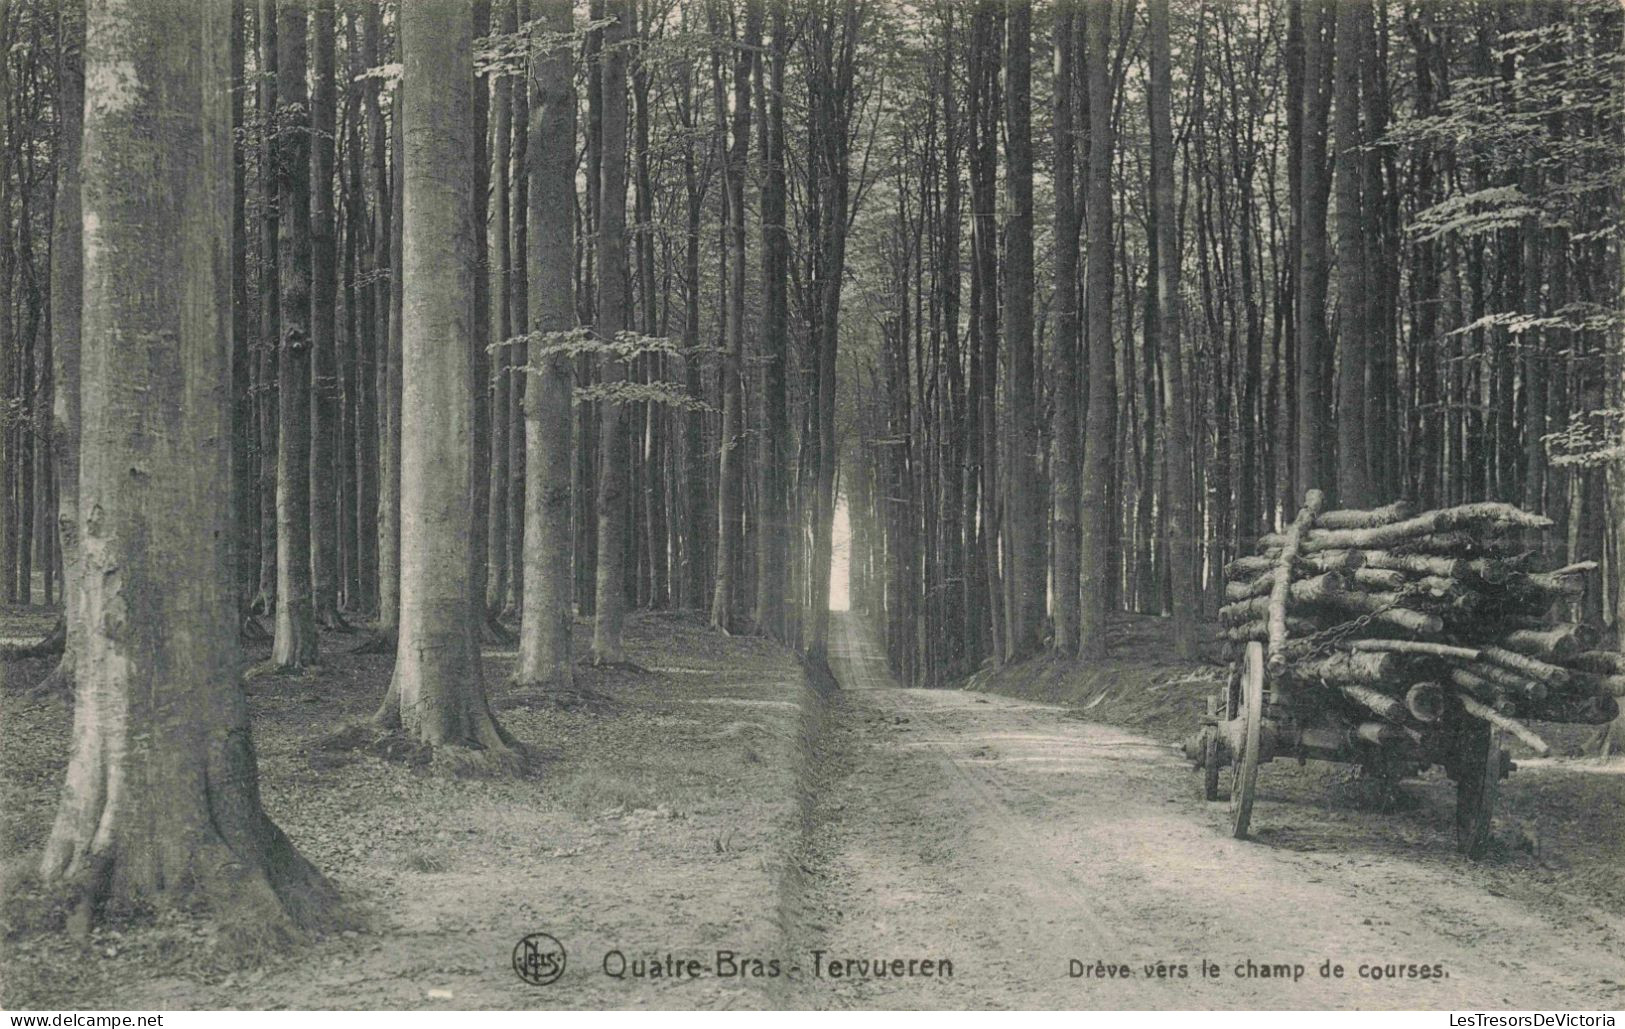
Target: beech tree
[
  {"x": 548, "y": 617},
  {"x": 296, "y": 643},
  {"x": 437, "y": 694},
  {"x": 1100, "y": 420},
  {"x": 613, "y": 441},
  {"x": 161, "y": 801}
]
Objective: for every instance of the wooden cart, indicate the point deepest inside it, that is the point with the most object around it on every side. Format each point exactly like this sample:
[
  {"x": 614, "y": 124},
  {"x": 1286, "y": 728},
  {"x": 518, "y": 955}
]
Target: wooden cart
[{"x": 1261, "y": 717}]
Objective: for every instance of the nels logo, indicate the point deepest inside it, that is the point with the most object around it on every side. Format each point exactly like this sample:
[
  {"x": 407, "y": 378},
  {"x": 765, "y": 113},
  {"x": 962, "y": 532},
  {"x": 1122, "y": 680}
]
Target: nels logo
[{"x": 539, "y": 959}]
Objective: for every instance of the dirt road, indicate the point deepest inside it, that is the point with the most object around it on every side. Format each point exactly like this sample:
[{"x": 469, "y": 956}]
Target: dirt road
[
  {"x": 709, "y": 801},
  {"x": 1055, "y": 863}
]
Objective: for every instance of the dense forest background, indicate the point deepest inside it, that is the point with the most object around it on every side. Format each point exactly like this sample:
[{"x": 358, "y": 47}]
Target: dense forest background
[{"x": 1067, "y": 303}]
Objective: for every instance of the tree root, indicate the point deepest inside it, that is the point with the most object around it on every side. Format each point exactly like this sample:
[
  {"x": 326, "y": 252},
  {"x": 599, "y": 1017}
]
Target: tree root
[
  {"x": 507, "y": 762},
  {"x": 56, "y": 642}
]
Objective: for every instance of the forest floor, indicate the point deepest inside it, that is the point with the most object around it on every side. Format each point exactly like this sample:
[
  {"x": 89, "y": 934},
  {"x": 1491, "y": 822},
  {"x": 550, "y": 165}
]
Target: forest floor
[
  {"x": 658, "y": 818},
  {"x": 716, "y": 800}
]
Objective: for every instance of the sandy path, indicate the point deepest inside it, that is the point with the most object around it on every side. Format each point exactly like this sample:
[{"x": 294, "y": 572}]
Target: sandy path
[{"x": 1012, "y": 839}]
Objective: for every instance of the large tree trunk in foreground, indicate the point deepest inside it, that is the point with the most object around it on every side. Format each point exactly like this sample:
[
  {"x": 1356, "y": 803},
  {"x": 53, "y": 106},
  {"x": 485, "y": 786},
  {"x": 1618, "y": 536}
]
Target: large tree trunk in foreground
[
  {"x": 161, "y": 801},
  {"x": 296, "y": 642},
  {"x": 610, "y": 602},
  {"x": 1064, "y": 435},
  {"x": 547, "y": 616},
  {"x": 437, "y": 695}
]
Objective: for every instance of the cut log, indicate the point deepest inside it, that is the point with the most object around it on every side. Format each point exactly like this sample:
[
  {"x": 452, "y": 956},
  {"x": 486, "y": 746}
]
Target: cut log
[
  {"x": 1259, "y": 629},
  {"x": 1449, "y": 520},
  {"x": 1350, "y": 668},
  {"x": 1304, "y": 591},
  {"x": 1425, "y": 701},
  {"x": 1418, "y": 647},
  {"x": 1253, "y": 565},
  {"x": 1379, "y": 578},
  {"x": 1559, "y": 642},
  {"x": 1482, "y": 690},
  {"x": 1379, "y": 703},
  {"x": 1523, "y": 664},
  {"x": 1513, "y": 683},
  {"x": 1349, "y": 518},
  {"x": 1386, "y": 608},
  {"x": 1507, "y": 722}
]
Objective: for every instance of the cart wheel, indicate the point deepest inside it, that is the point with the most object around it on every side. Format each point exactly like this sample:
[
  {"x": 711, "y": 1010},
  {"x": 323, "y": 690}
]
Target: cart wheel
[
  {"x": 1479, "y": 757},
  {"x": 1244, "y": 762}
]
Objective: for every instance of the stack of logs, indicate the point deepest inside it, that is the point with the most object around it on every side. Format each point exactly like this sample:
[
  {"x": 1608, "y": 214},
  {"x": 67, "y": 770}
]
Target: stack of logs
[{"x": 1405, "y": 614}]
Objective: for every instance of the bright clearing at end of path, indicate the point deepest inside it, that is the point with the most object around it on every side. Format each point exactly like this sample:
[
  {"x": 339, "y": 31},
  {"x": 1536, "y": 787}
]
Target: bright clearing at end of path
[{"x": 840, "y": 559}]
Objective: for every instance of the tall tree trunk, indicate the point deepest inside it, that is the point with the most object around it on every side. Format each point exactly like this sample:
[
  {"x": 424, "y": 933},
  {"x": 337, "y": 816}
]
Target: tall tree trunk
[
  {"x": 1314, "y": 357},
  {"x": 499, "y": 266},
  {"x": 161, "y": 798},
  {"x": 243, "y": 425},
  {"x": 1180, "y": 539},
  {"x": 363, "y": 236},
  {"x": 545, "y": 638},
  {"x": 725, "y": 602},
  {"x": 1026, "y": 495},
  {"x": 773, "y": 454},
  {"x": 325, "y": 432},
  {"x": 269, "y": 342},
  {"x": 295, "y": 645},
  {"x": 697, "y": 524},
  {"x": 389, "y": 450},
  {"x": 610, "y": 592},
  {"x": 437, "y": 694},
  {"x": 1353, "y": 471},
  {"x": 1064, "y": 435},
  {"x": 1100, "y": 429}
]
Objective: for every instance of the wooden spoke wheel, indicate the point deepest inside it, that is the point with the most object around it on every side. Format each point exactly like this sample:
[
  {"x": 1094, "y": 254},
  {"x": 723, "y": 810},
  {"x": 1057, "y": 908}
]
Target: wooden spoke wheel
[
  {"x": 1478, "y": 780},
  {"x": 1247, "y": 708}
]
